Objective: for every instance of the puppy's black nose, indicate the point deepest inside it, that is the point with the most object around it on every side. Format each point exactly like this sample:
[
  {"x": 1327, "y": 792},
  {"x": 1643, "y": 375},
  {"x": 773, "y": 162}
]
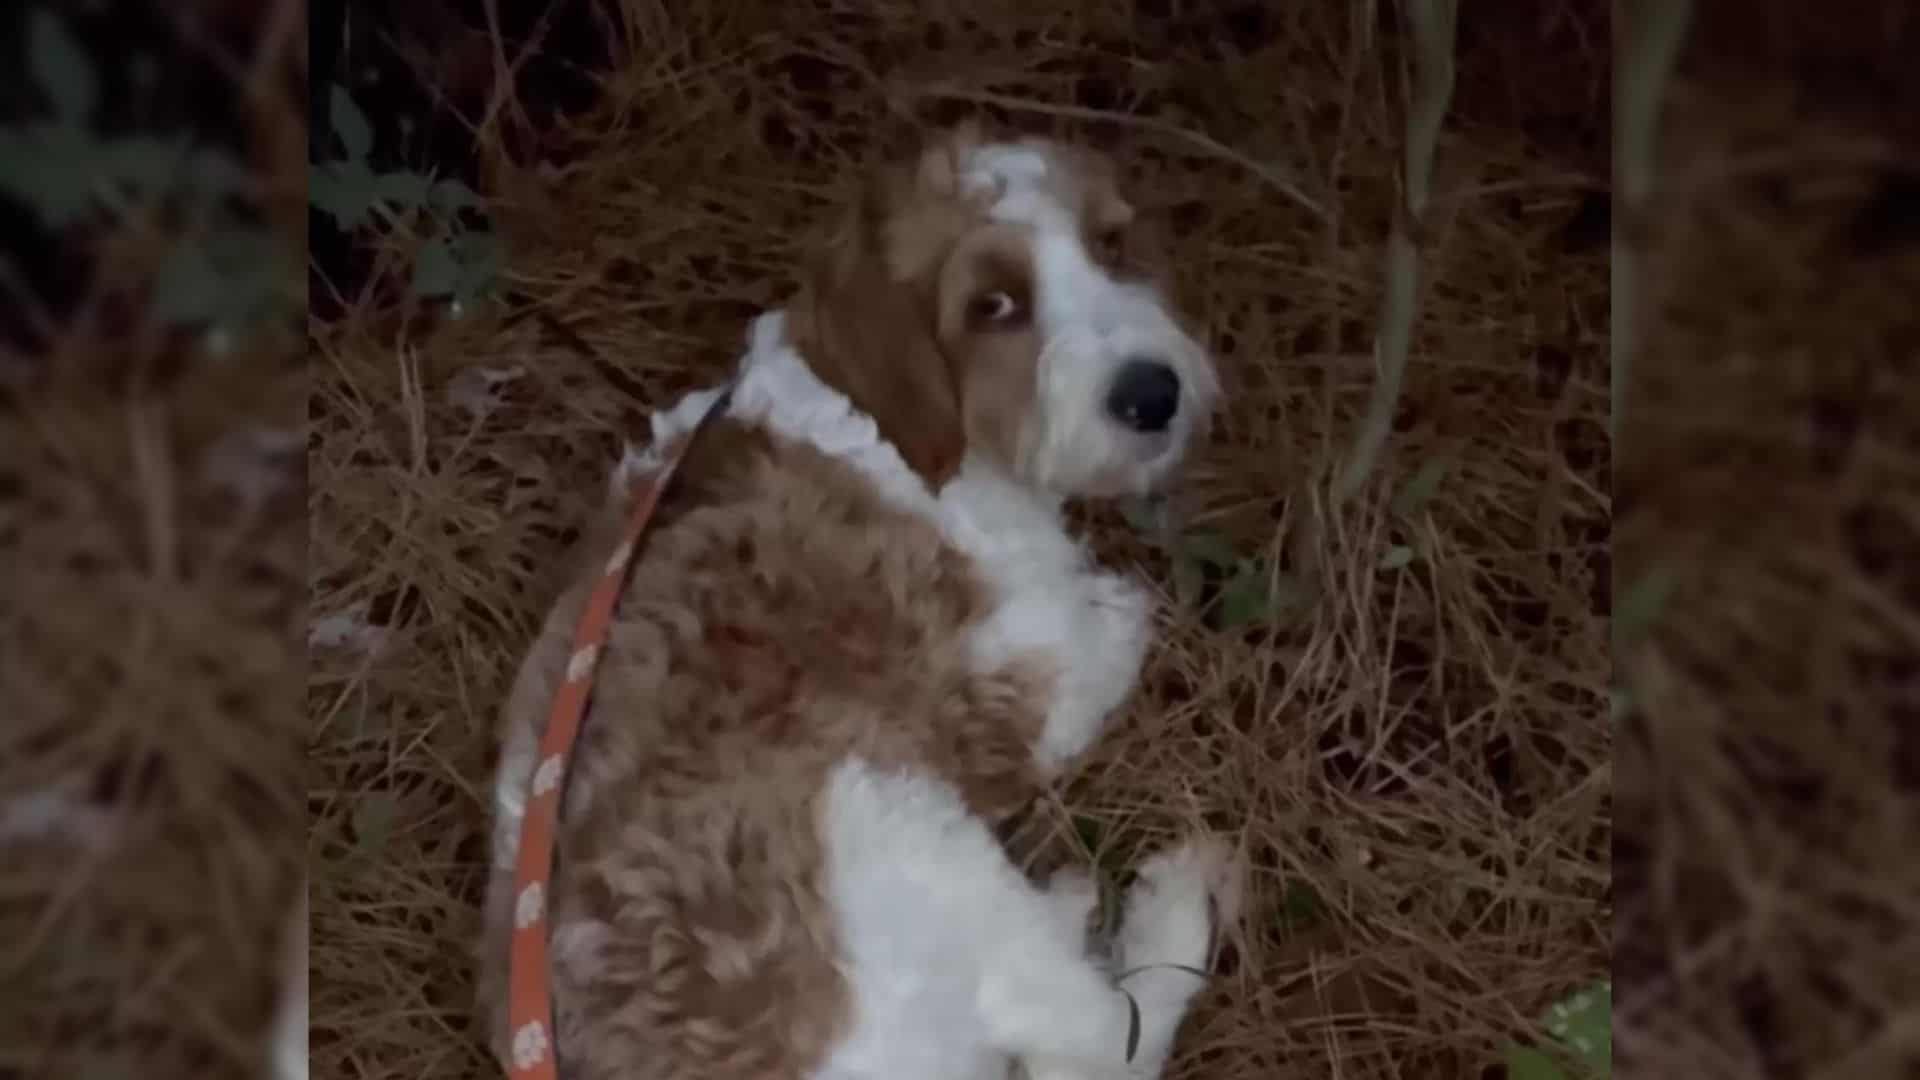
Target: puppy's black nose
[{"x": 1145, "y": 395}]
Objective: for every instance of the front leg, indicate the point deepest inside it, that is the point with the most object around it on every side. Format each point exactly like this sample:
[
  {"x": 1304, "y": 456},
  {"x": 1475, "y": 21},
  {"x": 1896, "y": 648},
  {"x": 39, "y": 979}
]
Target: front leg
[
  {"x": 1046, "y": 1003},
  {"x": 1062, "y": 1026},
  {"x": 1043, "y": 998},
  {"x": 1181, "y": 897},
  {"x": 1100, "y": 659}
]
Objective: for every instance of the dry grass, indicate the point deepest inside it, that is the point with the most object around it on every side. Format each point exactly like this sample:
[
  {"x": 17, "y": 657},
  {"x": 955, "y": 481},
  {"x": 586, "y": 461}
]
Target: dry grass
[
  {"x": 151, "y": 548},
  {"x": 150, "y": 758},
  {"x": 1418, "y": 768},
  {"x": 1768, "y": 866}
]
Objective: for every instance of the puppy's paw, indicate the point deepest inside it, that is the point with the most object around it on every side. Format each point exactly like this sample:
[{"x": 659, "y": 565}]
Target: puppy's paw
[{"x": 1181, "y": 897}]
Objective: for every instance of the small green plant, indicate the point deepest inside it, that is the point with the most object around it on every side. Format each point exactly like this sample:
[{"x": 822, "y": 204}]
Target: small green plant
[
  {"x": 1301, "y": 907},
  {"x": 1640, "y": 608},
  {"x": 1407, "y": 504},
  {"x": 1634, "y": 617},
  {"x": 1421, "y": 489},
  {"x": 222, "y": 269},
  {"x": 456, "y": 260},
  {"x": 1582, "y": 1031},
  {"x": 1250, "y": 591}
]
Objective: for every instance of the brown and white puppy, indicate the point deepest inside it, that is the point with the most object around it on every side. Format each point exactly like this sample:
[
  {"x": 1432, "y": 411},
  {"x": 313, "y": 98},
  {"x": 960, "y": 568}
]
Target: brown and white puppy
[{"x": 858, "y": 637}]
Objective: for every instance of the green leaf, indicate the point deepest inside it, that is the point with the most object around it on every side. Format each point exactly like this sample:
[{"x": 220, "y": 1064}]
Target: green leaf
[
  {"x": 51, "y": 169},
  {"x": 1396, "y": 557},
  {"x": 62, "y": 69},
  {"x": 188, "y": 289},
  {"x": 350, "y": 124},
  {"x": 212, "y": 171},
  {"x": 450, "y": 195},
  {"x": 480, "y": 257},
  {"x": 1300, "y": 906},
  {"x": 343, "y": 189},
  {"x": 1253, "y": 594},
  {"x": 239, "y": 248},
  {"x": 149, "y": 164},
  {"x": 1420, "y": 490},
  {"x": 1246, "y": 598},
  {"x": 1638, "y": 611},
  {"x": 1143, "y": 514},
  {"x": 1210, "y": 548},
  {"x": 1526, "y": 1063},
  {"x": 1583, "y": 1023},
  {"x": 261, "y": 277},
  {"x": 435, "y": 270},
  {"x": 409, "y": 189},
  {"x": 230, "y": 276},
  {"x": 155, "y": 165}
]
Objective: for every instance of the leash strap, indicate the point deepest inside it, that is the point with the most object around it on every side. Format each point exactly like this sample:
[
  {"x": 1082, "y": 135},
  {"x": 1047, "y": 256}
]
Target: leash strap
[{"x": 529, "y": 974}]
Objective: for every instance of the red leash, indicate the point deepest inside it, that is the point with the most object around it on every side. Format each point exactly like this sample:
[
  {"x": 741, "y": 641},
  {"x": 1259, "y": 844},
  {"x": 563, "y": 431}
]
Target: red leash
[{"x": 529, "y": 974}]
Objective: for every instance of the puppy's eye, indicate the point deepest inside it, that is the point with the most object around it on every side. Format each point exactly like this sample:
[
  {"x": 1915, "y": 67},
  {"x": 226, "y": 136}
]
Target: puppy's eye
[
  {"x": 1110, "y": 245},
  {"x": 993, "y": 308}
]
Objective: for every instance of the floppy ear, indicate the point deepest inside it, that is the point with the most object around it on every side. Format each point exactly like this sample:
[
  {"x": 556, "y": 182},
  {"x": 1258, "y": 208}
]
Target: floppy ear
[{"x": 866, "y": 314}]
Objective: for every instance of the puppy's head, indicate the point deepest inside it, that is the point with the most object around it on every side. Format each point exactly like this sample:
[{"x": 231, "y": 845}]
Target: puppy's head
[{"x": 986, "y": 299}]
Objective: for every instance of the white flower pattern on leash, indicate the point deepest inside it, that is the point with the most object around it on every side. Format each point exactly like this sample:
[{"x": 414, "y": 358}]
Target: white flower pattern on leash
[
  {"x": 621, "y": 555},
  {"x": 530, "y": 905},
  {"x": 547, "y": 776},
  {"x": 529, "y": 1045},
  {"x": 582, "y": 662}
]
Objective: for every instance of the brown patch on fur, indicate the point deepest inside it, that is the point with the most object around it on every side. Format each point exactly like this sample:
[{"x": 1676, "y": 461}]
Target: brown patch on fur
[
  {"x": 867, "y": 311},
  {"x": 781, "y": 619}
]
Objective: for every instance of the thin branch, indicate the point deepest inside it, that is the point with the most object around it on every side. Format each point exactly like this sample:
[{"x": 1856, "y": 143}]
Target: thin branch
[
  {"x": 1432, "y": 23},
  {"x": 505, "y": 96},
  {"x": 1652, "y": 44}
]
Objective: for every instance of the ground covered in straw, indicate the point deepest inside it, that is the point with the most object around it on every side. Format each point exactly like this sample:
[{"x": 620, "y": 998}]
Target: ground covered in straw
[
  {"x": 1768, "y": 865},
  {"x": 152, "y": 538},
  {"x": 1412, "y": 747}
]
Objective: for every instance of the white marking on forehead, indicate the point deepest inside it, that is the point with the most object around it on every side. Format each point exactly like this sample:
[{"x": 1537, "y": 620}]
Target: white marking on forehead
[
  {"x": 1072, "y": 291},
  {"x": 1007, "y": 164},
  {"x": 1020, "y": 174}
]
